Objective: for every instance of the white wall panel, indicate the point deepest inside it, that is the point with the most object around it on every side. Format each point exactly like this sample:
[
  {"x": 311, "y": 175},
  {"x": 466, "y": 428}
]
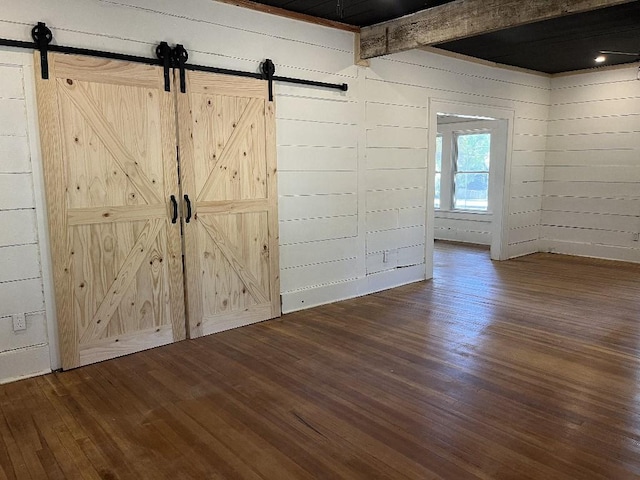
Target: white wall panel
[
  {"x": 593, "y": 141},
  {"x": 527, "y": 174},
  {"x": 397, "y": 258},
  {"x": 300, "y": 231},
  {"x": 14, "y": 154},
  {"x": 467, "y": 228},
  {"x": 599, "y": 189},
  {"x": 311, "y": 206},
  {"x": 397, "y": 238},
  {"x": 390, "y": 179},
  {"x": 19, "y": 262},
  {"x": 404, "y": 198},
  {"x": 525, "y": 204},
  {"x": 527, "y": 219},
  {"x": 615, "y": 106},
  {"x": 398, "y": 137},
  {"x": 477, "y": 70},
  {"x": 18, "y": 227},
  {"x": 409, "y": 217},
  {"x": 306, "y": 183},
  {"x": 596, "y": 125},
  {"x": 382, "y": 261},
  {"x": 586, "y": 235},
  {"x": 316, "y": 159},
  {"x": 317, "y": 110},
  {"x": 12, "y": 87},
  {"x": 604, "y": 157},
  {"x": 13, "y": 121},
  {"x": 379, "y": 114},
  {"x": 531, "y": 189},
  {"x": 439, "y": 81},
  {"x": 379, "y": 91},
  {"x": 302, "y": 254},
  {"x": 616, "y": 206},
  {"x": 408, "y": 256},
  {"x": 316, "y": 275},
  {"x": 587, "y": 92},
  {"x": 528, "y": 158},
  {"x": 319, "y": 134},
  {"x": 35, "y": 333},
  {"x": 531, "y": 126},
  {"x": 383, "y": 158},
  {"x": 215, "y": 14},
  {"x": 523, "y": 234},
  {"x": 463, "y": 236},
  {"x": 21, "y": 297},
  {"x": 596, "y": 221},
  {"x": 593, "y": 173},
  {"x": 527, "y": 142},
  {"x": 16, "y": 191},
  {"x": 382, "y": 220}
]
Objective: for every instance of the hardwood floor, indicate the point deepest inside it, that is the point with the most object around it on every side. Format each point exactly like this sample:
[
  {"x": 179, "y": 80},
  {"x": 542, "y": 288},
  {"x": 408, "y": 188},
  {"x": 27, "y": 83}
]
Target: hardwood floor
[{"x": 525, "y": 369}]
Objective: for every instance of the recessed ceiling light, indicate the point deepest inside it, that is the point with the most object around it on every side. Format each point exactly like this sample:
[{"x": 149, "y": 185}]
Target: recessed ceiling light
[{"x": 600, "y": 58}]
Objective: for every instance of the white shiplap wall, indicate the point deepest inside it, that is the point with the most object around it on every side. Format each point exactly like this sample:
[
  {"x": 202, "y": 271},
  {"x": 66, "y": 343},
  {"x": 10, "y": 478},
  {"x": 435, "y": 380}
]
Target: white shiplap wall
[
  {"x": 352, "y": 165},
  {"x": 398, "y": 89},
  {"x": 592, "y": 177},
  {"x": 26, "y": 352}
]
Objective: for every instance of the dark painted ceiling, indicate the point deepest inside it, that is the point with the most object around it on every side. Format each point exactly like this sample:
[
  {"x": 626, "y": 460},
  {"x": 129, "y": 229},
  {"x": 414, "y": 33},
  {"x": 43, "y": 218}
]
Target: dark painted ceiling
[
  {"x": 553, "y": 46},
  {"x": 563, "y": 44}
]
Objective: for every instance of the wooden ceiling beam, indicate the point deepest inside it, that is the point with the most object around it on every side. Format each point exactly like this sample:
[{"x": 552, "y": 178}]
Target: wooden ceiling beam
[{"x": 465, "y": 18}]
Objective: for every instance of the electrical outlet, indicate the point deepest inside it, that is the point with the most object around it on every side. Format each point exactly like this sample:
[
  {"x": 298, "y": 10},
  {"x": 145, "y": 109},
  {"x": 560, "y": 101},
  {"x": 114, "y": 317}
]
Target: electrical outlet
[
  {"x": 385, "y": 256},
  {"x": 636, "y": 237},
  {"x": 19, "y": 322}
]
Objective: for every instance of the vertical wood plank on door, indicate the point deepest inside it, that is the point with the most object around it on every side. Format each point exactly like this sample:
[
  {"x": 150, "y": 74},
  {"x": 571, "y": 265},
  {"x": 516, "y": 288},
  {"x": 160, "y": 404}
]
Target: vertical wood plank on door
[
  {"x": 55, "y": 176},
  {"x": 274, "y": 235},
  {"x": 174, "y": 238},
  {"x": 193, "y": 269}
]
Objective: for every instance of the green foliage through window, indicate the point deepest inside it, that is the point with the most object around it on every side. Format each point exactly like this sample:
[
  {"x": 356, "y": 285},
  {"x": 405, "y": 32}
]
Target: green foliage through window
[{"x": 471, "y": 179}]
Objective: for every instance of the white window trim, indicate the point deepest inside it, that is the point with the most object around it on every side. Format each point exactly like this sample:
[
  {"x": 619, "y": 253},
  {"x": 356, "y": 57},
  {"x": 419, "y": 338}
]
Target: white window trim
[
  {"x": 454, "y": 165},
  {"x": 449, "y": 134}
]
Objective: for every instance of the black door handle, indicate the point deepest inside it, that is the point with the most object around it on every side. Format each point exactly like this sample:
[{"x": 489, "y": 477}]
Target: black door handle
[
  {"x": 188, "y": 202},
  {"x": 174, "y": 204}
]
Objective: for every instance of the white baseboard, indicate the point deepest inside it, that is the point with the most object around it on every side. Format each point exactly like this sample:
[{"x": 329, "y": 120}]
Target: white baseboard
[
  {"x": 606, "y": 252},
  {"x": 324, "y": 294},
  {"x": 24, "y": 363},
  {"x": 522, "y": 249}
]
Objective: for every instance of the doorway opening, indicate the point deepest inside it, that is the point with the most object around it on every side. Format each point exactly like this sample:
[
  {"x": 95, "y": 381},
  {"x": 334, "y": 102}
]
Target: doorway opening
[{"x": 469, "y": 176}]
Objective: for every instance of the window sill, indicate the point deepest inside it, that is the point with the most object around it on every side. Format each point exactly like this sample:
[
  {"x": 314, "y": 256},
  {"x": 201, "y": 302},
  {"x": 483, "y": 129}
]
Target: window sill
[
  {"x": 466, "y": 212},
  {"x": 464, "y": 215}
]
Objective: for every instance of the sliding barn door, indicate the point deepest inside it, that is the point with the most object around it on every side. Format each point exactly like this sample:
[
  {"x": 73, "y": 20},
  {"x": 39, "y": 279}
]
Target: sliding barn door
[
  {"x": 109, "y": 151},
  {"x": 228, "y": 169}
]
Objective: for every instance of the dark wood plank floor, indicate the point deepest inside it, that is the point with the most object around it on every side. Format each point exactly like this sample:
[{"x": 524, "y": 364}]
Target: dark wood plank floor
[{"x": 526, "y": 369}]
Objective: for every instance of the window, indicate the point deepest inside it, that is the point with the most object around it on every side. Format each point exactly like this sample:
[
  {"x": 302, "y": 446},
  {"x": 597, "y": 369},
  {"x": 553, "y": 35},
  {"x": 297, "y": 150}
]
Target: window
[
  {"x": 462, "y": 160},
  {"x": 438, "y": 170},
  {"x": 471, "y": 177}
]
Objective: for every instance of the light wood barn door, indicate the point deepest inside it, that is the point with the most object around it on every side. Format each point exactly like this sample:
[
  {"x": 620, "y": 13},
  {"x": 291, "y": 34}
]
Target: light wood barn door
[
  {"x": 228, "y": 169},
  {"x": 109, "y": 151}
]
